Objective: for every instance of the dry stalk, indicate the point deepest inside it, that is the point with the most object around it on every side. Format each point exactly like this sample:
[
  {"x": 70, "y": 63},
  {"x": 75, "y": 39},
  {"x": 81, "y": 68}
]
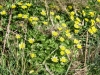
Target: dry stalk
[
  {"x": 48, "y": 70},
  {"x": 85, "y": 59},
  {"x": 8, "y": 31}
]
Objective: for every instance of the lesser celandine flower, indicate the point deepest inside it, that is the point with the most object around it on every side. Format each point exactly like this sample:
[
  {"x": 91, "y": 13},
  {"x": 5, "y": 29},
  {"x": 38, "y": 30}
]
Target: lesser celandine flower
[
  {"x": 79, "y": 46},
  {"x": 59, "y": 28},
  {"x": 45, "y": 22},
  {"x": 98, "y": 1},
  {"x": 63, "y": 59},
  {"x": 23, "y": 6},
  {"x": 92, "y": 21},
  {"x": 76, "y": 31},
  {"x": 32, "y": 55},
  {"x": 64, "y": 24},
  {"x": 76, "y": 26},
  {"x": 54, "y": 59},
  {"x": 86, "y": 19},
  {"x": 13, "y": 6},
  {"x": 25, "y": 16},
  {"x": 19, "y": 3},
  {"x": 62, "y": 47},
  {"x": 34, "y": 23},
  {"x": 20, "y": 15},
  {"x": 72, "y": 13},
  {"x": 30, "y": 19},
  {"x": 57, "y": 17},
  {"x": 28, "y": 4},
  {"x": 67, "y": 31},
  {"x": 68, "y": 35},
  {"x": 67, "y": 51},
  {"x": 91, "y": 14},
  {"x": 84, "y": 13},
  {"x": 51, "y": 13},
  {"x": 22, "y": 45},
  {"x": 18, "y": 36},
  {"x": 62, "y": 52},
  {"x": 97, "y": 20},
  {"x": 31, "y": 71},
  {"x": 35, "y": 18},
  {"x": 43, "y": 12},
  {"x": 3, "y": 12},
  {"x": 78, "y": 19},
  {"x": 31, "y": 40},
  {"x": 76, "y": 41},
  {"x": 54, "y": 33},
  {"x": 61, "y": 39},
  {"x": 70, "y": 7},
  {"x": 72, "y": 18},
  {"x": 92, "y": 30}
]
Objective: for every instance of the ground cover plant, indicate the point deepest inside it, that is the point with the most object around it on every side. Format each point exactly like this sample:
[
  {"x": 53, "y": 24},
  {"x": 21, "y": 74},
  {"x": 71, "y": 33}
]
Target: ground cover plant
[{"x": 44, "y": 37}]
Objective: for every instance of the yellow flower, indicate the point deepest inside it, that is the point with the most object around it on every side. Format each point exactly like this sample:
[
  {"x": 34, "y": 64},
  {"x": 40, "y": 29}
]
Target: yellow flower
[
  {"x": 72, "y": 18},
  {"x": 31, "y": 71},
  {"x": 87, "y": 7},
  {"x": 68, "y": 35},
  {"x": 92, "y": 30},
  {"x": 43, "y": 13},
  {"x": 31, "y": 40},
  {"x": 97, "y": 20},
  {"x": 91, "y": 14},
  {"x": 19, "y": 3},
  {"x": 45, "y": 23},
  {"x": 67, "y": 51},
  {"x": 79, "y": 46},
  {"x": 86, "y": 19},
  {"x": 30, "y": 19},
  {"x": 21, "y": 45},
  {"x": 76, "y": 31},
  {"x": 84, "y": 13},
  {"x": 54, "y": 59},
  {"x": 34, "y": 22},
  {"x": 51, "y": 13},
  {"x": 98, "y": 0},
  {"x": 20, "y": 15},
  {"x": 28, "y": 4},
  {"x": 59, "y": 28},
  {"x": 76, "y": 41},
  {"x": 18, "y": 36},
  {"x": 64, "y": 25},
  {"x": 32, "y": 55},
  {"x": 1, "y": 6},
  {"x": 70, "y": 7},
  {"x": 13, "y": 6},
  {"x": 63, "y": 59},
  {"x": 23, "y": 6},
  {"x": 92, "y": 22},
  {"x": 3, "y": 12},
  {"x": 61, "y": 39},
  {"x": 57, "y": 17},
  {"x": 25, "y": 16},
  {"x": 62, "y": 47},
  {"x": 76, "y": 26},
  {"x": 78, "y": 19},
  {"x": 35, "y": 18},
  {"x": 67, "y": 31},
  {"x": 72, "y": 13},
  {"x": 62, "y": 52},
  {"x": 54, "y": 33}
]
